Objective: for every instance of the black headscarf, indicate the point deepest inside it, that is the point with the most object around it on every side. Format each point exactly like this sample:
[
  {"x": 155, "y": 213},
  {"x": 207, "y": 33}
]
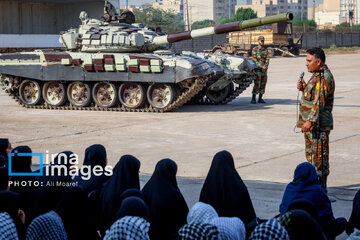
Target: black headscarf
[
  {"x": 10, "y": 203},
  {"x": 300, "y": 225},
  {"x": 21, "y": 163},
  {"x": 95, "y": 155},
  {"x": 167, "y": 206},
  {"x": 49, "y": 193},
  {"x": 73, "y": 209},
  {"x": 4, "y": 143},
  {"x": 225, "y": 191},
  {"x": 132, "y": 206},
  {"x": 307, "y": 206},
  {"x": 125, "y": 176},
  {"x": 354, "y": 221},
  {"x": 132, "y": 192},
  {"x": 4, "y": 178}
]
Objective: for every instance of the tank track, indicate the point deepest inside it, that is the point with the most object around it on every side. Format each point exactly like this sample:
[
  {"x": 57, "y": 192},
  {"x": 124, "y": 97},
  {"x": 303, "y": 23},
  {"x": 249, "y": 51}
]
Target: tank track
[
  {"x": 197, "y": 86},
  {"x": 242, "y": 86}
]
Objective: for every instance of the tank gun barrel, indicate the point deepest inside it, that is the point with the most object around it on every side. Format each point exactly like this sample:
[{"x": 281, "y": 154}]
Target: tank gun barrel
[{"x": 224, "y": 28}]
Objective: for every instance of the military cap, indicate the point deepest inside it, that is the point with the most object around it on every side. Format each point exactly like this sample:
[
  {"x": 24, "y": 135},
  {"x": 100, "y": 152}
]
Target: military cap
[{"x": 261, "y": 38}]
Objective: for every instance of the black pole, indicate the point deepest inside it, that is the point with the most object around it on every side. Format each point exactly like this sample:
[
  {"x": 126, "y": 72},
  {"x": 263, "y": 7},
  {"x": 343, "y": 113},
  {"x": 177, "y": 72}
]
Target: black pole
[{"x": 323, "y": 185}]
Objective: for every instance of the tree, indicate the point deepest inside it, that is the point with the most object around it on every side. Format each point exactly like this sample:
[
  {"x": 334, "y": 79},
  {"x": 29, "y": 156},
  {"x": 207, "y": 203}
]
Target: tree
[
  {"x": 240, "y": 15},
  {"x": 154, "y": 17},
  {"x": 202, "y": 24},
  {"x": 244, "y": 14}
]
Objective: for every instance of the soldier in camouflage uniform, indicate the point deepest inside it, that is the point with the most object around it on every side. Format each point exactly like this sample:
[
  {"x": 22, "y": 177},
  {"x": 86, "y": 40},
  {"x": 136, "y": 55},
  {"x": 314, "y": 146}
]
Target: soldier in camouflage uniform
[
  {"x": 315, "y": 118},
  {"x": 262, "y": 58}
]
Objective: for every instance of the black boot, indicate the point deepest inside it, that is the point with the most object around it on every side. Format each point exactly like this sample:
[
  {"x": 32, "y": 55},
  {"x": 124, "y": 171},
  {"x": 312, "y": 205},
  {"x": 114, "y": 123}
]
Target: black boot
[
  {"x": 253, "y": 100},
  {"x": 260, "y": 100}
]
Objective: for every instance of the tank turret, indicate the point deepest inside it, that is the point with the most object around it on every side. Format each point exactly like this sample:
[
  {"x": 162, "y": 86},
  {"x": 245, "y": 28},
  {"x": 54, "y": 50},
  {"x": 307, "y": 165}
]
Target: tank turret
[{"x": 119, "y": 36}]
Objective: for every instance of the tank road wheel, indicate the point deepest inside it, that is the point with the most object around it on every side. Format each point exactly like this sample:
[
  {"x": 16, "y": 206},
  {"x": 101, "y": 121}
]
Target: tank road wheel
[
  {"x": 160, "y": 95},
  {"x": 132, "y": 95},
  {"x": 104, "y": 94},
  {"x": 30, "y": 92},
  {"x": 219, "y": 96},
  {"x": 79, "y": 94},
  {"x": 271, "y": 51},
  {"x": 284, "y": 54},
  {"x": 54, "y": 93}
]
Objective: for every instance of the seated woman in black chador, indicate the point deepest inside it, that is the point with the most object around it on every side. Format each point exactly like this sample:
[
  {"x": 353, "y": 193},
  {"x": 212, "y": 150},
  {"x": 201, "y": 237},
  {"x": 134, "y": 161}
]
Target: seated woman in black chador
[
  {"x": 95, "y": 155},
  {"x": 24, "y": 185},
  {"x": 226, "y": 192},
  {"x": 354, "y": 221},
  {"x": 305, "y": 186},
  {"x": 125, "y": 176},
  {"x": 167, "y": 206},
  {"x": 5, "y": 149}
]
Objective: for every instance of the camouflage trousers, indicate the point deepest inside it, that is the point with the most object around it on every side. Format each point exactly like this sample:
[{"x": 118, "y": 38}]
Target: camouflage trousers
[
  {"x": 260, "y": 83},
  {"x": 313, "y": 151}
]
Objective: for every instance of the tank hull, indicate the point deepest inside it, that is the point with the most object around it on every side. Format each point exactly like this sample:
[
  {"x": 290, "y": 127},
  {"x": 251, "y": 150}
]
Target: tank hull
[
  {"x": 48, "y": 66},
  {"x": 158, "y": 83}
]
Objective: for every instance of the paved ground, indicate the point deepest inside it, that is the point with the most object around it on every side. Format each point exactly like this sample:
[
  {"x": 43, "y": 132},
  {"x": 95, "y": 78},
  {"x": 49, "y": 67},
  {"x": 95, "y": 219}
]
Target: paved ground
[{"x": 260, "y": 137}]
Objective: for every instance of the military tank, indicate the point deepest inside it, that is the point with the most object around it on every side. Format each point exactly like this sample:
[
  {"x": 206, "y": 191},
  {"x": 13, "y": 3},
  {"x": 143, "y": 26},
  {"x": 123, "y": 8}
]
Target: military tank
[
  {"x": 239, "y": 73},
  {"x": 116, "y": 65}
]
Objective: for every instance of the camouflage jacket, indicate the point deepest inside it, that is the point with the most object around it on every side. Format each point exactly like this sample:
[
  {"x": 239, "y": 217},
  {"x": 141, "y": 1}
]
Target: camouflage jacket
[
  {"x": 261, "y": 56},
  {"x": 317, "y": 101}
]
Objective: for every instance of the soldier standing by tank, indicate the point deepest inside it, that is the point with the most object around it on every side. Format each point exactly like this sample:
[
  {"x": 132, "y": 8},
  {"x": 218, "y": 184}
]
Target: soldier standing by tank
[
  {"x": 315, "y": 118},
  {"x": 262, "y": 58}
]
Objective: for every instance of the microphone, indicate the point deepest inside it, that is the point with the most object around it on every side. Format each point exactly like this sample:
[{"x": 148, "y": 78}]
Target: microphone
[{"x": 301, "y": 76}]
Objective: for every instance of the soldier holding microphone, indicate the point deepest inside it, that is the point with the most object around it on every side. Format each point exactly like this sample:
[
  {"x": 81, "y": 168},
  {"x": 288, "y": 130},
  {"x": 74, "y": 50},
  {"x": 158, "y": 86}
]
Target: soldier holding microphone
[{"x": 315, "y": 118}]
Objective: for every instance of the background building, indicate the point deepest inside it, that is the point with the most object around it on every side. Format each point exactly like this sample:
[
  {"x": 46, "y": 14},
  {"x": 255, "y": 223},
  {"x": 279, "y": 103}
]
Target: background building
[
  {"x": 262, "y": 8},
  {"x": 45, "y": 16},
  {"x": 334, "y": 12},
  {"x": 348, "y": 11},
  {"x": 196, "y": 10},
  {"x": 270, "y": 7},
  {"x": 175, "y": 6}
]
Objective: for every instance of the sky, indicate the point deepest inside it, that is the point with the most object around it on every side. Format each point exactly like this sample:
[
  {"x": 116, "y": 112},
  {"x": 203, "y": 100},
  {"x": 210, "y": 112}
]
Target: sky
[{"x": 140, "y": 2}]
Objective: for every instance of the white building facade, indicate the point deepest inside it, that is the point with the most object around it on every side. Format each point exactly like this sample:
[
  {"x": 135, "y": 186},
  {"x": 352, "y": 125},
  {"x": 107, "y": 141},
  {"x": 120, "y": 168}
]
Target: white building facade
[
  {"x": 270, "y": 7},
  {"x": 197, "y": 10}
]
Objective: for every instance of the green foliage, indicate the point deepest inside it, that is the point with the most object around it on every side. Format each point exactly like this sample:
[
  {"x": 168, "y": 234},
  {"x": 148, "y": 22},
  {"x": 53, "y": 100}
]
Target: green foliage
[
  {"x": 305, "y": 22},
  {"x": 332, "y": 47},
  {"x": 154, "y": 17},
  {"x": 202, "y": 24},
  {"x": 240, "y": 15},
  {"x": 346, "y": 27},
  {"x": 297, "y": 17},
  {"x": 344, "y": 24},
  {"x": 222, "y": 20},
  {"x": 244, "y": 14}
]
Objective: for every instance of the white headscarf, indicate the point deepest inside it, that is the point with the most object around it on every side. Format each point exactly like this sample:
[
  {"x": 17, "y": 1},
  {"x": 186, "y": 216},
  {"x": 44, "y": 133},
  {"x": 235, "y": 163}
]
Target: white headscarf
[
  {"x": 355, "y": 235},
  {"x": 47, "y": 226},
  {"x": 128, "y": 228},
  {"x": 201, "y": 212},
  {"x": 230, "y": 228},
  {"x": 7, "y": 227}
]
